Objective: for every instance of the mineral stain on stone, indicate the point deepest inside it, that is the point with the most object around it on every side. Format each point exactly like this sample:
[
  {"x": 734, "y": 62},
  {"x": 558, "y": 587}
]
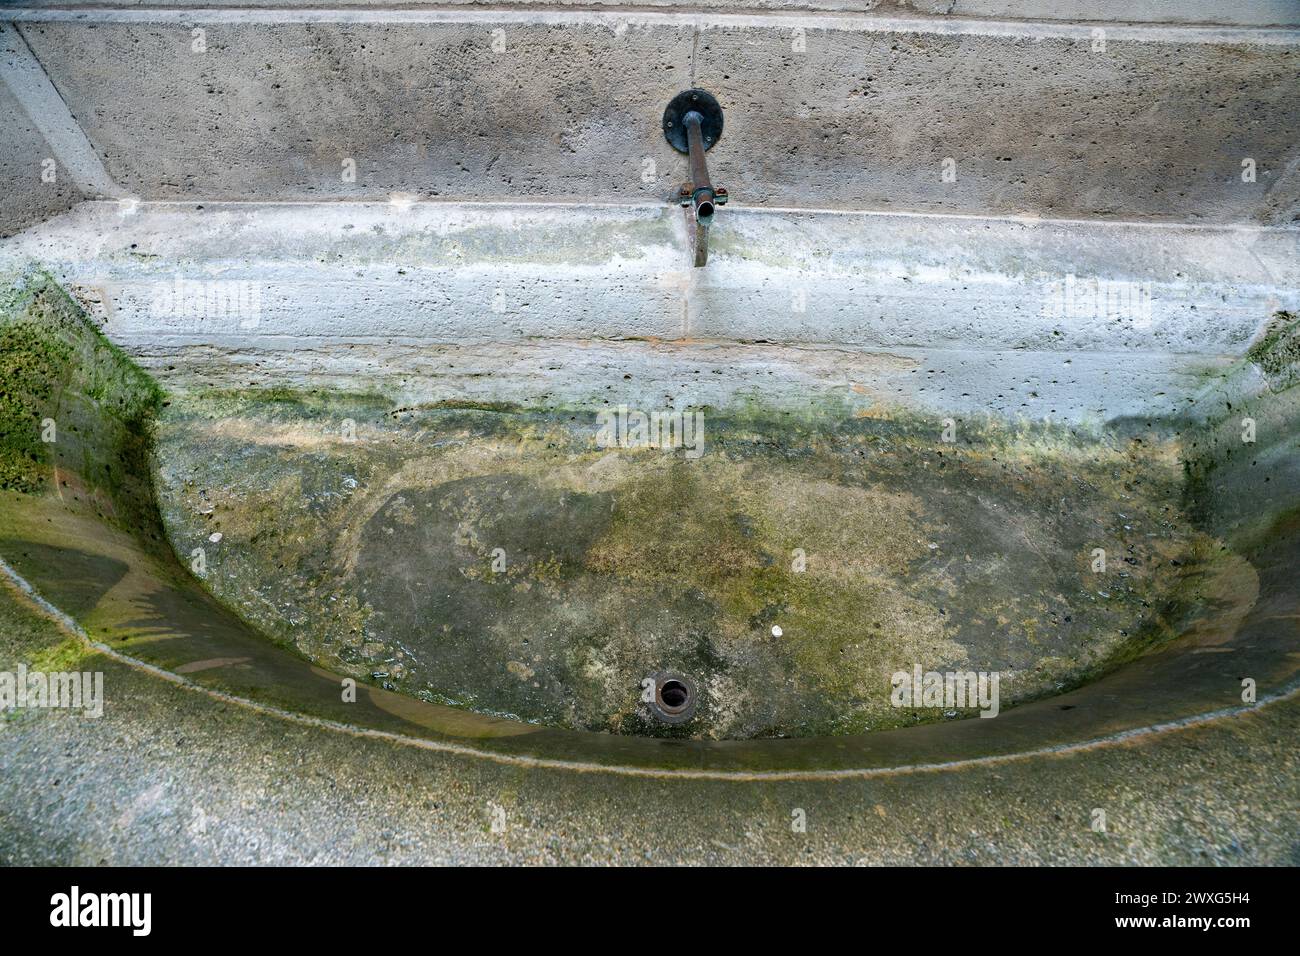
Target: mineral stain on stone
[{"x": 498, "y": 559}]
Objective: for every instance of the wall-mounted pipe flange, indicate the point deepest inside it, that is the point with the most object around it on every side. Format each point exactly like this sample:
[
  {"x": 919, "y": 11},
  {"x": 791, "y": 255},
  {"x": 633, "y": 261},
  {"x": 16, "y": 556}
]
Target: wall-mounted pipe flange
[
  {"x": 684, "y": 102},
  {"x": 693, "y": 124}
]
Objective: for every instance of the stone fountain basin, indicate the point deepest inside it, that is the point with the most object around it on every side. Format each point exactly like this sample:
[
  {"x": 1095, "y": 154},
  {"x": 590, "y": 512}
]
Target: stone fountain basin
[{"x": 346, "y": 485}]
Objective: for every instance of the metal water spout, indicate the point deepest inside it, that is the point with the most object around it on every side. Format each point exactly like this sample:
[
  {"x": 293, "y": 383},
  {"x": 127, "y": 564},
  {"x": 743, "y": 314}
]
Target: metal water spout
[{"x": 693, "y": 125}]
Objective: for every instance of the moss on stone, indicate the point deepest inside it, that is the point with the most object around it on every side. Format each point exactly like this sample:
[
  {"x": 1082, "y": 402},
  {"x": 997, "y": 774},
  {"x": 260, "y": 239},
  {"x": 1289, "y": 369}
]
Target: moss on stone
[
  {"x": 60, "y": 658},
  {"x": 30, "y": 366},
  {"x": 73, "y": 407},
  {"x": 375, "y": 556},
  {"x": 1277, "y": 350}
]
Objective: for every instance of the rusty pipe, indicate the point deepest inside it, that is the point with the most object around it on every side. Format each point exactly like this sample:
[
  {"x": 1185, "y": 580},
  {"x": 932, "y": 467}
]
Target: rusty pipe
[
  {"x": 702, "y": 194},
  {"x": 693, "y": 124}
]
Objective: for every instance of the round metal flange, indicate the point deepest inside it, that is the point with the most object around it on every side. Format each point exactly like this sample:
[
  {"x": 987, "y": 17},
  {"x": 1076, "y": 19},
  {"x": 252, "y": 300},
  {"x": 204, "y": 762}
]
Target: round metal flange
[
  {"x": 673, "y": 701},
  {"x": 702, "y": 103}
]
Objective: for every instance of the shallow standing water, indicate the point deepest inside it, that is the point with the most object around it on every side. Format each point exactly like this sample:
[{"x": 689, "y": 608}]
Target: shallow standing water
[{"x": 503, "y": 560}]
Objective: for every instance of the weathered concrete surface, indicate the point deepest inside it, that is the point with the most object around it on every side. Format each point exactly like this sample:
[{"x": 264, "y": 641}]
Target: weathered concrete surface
[
  {"x": 621, "y": 563},
  {"x": 1090, "y": 387},
  {"x": 1242, "y": 12},
  {"x": 480, "y": 273},
  {"x": 1231, "y": 799},
  {"x": 544, "y": 305},
  {"x": 27, "y": 160},
  {"x": 136, "y": 787},
  {"x": 151, "y": 783},
  {"x": 25, "y": 199},
  {"x": 1237, "y": 13},
  {"x": 851, "y": 112}
]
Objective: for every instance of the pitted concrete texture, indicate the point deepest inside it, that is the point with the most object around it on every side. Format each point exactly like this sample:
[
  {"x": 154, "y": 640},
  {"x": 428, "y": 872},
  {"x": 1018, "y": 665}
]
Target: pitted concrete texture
[
  {"x": 544, "y": 304},
  {"x": 33, "y": 184},
  {"x": 823, "y": 110},
  {"x": 1091, "y": 387},
  {"x": 481, "y": 273},
  {"x": 1243, "y": 12},
  {"x": 154, "y": 781}
]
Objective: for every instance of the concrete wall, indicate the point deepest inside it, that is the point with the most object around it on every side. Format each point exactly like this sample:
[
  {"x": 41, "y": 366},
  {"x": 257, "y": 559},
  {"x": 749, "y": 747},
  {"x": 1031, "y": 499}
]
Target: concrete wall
[
  {"x": 33, "y": 186},
  {"x": 822, "y": 110},
  {"x": 566, "y": 274},
  {"x": 1226, "y": 12},
  {"x": 558, "y": 303}
]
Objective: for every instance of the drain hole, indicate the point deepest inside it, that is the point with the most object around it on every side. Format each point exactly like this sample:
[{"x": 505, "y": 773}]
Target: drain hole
[
  {"x": 674, "y": 699},
  {"x": 674, "y": 695}
]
